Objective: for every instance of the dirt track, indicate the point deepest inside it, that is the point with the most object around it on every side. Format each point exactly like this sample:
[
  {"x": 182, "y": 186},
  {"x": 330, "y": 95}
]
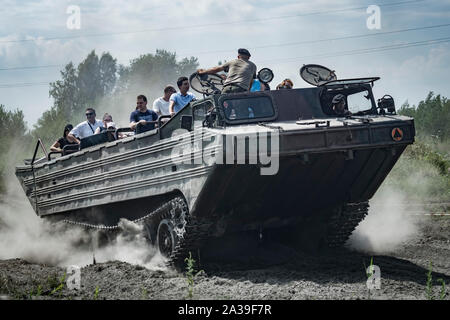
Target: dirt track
[{"x": 273, "y": 271}]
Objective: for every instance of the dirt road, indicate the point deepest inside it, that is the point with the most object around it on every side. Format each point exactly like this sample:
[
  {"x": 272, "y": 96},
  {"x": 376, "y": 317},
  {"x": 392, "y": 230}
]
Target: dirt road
[{"x": 271, "y": 271}]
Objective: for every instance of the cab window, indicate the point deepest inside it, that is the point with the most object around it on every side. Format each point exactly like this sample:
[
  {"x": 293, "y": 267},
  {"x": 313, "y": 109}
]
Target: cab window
[{"x": 248, "y": 108}]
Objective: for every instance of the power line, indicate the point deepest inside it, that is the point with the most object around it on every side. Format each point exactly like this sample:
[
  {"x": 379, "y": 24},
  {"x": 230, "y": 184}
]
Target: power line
[
  {"x": 23, "y": 84},
  {"x": 331, "y": 39},
  {"x": 363, "y": 51},
  {"x": 207, "y": 24},
  {"x": 31, "y": 67},
  {"x": 276, "y": 45}
]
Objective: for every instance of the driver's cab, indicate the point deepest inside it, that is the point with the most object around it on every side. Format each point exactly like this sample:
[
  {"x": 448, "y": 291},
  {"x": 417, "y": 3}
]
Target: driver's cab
[
  {"x": 221, "y": 110},
  {"x": 357, "y": 95}
]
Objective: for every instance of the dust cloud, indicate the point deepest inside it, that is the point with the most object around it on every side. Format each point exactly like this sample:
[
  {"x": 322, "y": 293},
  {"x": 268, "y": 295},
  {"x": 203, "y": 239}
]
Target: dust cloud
[
  {"x": 24, "y": 235},
  {"x": 392, "y": 220}
]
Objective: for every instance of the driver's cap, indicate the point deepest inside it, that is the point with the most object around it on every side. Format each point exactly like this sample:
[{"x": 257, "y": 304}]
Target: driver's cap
[
  {"x": 338, "y": 98},
  {"x": 244, "y": 52}
]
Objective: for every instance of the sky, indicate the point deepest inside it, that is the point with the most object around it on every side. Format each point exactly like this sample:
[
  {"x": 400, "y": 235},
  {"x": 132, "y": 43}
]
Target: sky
[{"x": 409, "y": 48}]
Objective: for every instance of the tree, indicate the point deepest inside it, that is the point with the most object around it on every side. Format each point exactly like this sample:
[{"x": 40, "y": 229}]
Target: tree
[
  {"x": 78, "y": 89},
  {"x": 150, "y": 73},
  {"x": 431, "y": 116},
  {"x": 14, "y": 140}
]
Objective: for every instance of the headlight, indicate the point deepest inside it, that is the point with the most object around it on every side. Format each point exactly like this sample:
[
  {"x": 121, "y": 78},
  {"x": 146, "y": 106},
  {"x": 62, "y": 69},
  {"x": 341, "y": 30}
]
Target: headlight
[{"x": 265, "y": 75}]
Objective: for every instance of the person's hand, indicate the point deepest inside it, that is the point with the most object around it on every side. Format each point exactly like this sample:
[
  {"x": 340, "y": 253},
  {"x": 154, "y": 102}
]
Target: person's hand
[
  {"x": 201, "y": 71},
  {"x": 142, "y": 122},
  {"x": 224, "y": 77},
  {"x": 172, "y": 114}
]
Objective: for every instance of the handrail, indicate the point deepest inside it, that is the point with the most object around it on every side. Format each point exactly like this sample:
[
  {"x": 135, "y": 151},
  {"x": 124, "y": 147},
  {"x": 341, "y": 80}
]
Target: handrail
[
  {"x": 53, "y": 152},
  {"x": 39, "y": 143}
]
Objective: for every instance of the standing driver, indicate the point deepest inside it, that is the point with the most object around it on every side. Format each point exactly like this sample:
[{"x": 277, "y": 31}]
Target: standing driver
[{"x": 241, "y": 73}]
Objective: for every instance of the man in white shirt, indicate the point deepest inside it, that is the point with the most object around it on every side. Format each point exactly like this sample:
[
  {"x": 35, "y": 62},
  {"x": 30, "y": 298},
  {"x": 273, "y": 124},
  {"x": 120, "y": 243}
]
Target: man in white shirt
[
  {"x": 86, "y": 128},
  {"x": 161, "y": 105}
]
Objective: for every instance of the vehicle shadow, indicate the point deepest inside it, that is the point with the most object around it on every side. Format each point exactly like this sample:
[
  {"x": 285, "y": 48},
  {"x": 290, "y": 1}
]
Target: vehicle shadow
[{"x": 256, "y": 262}]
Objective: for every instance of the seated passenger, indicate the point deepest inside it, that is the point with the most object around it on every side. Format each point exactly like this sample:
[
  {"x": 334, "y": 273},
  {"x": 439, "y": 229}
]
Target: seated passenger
[
  {"x": 258, "y": 86},
  {"x": 86, "y": 128},
  {"x": 141, "y": 119},
  {"x": 339, "y": 106},
  {"x": 180, "y": 99},
  {"x": 161, "y": 105},
  {"x": 62, "y": 142},
  {"x": 107, "y": 123},
  {"x": 285, "y": 84}
]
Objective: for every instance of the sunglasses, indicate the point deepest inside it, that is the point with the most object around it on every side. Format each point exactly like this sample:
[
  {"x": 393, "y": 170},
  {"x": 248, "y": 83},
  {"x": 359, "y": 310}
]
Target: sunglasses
[{"x": 89, "y": 114}]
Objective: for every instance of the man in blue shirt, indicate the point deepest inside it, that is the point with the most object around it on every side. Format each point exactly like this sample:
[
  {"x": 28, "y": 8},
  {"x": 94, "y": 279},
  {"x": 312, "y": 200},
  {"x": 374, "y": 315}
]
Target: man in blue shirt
[
  {"x": 140, "y": 119},
  {"x": 180, "y": 99}
]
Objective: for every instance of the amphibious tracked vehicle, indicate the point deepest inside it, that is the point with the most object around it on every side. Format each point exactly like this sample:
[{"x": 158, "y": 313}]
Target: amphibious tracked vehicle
[{"x": 266, "y": 161}]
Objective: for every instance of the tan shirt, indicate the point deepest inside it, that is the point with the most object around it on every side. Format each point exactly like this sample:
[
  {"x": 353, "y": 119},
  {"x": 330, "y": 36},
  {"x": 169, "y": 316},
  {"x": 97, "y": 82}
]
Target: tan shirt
[{"x": 240, "y": 72}]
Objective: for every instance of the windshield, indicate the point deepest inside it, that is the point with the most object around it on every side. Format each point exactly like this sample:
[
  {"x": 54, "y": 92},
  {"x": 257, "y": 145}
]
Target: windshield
[
  {"x": 359, "y": 101},
  {"x": 248, "y": 108}
]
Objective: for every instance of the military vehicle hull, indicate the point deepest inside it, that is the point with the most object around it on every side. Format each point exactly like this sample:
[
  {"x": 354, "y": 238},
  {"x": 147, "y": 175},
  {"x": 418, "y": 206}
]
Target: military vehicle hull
[{"x": 205, "y": 181}]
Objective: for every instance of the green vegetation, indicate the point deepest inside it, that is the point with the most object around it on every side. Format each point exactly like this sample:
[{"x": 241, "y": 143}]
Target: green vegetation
[
  {"x": 53, "y": 287},
  {"x": 190, "y": 274},
  {"x": 423, "y": 170},
  {"x": 429, "y": 285},
  {"x": 57, "y": 286},
  {"x": 13, "y": 140},
  {"x": 96, "y": 292}
]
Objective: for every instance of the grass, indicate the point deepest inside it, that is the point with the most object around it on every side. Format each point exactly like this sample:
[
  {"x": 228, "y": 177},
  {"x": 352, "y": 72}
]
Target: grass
[
  {"x": 57, "y": 286},
  {"x": 429, "y": 285},
  {"x": 96, "y": 293},
  {"x": 369, "y": 274},
  {"x": 144, "y": 295},
  {"x": 190, "y": 274}
]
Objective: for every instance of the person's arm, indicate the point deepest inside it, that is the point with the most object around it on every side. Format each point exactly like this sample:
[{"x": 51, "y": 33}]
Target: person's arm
[
  {"x": 71, "y": 138},
  {"x": 156, "y": 107},
  {"x": 56, "y": 147},
  {"x": 133, "y": 122},
  {"x": 171, "y": 111},
  {"x": 211, "y": 70}
]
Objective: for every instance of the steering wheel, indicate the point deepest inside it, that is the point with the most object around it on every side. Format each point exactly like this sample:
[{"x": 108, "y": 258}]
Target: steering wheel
[{"x": 206, "y": 84}]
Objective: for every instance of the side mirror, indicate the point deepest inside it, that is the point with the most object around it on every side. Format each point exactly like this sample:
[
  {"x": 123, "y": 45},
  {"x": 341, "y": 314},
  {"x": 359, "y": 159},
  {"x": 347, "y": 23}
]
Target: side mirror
[{"x": 186, "y": 122}]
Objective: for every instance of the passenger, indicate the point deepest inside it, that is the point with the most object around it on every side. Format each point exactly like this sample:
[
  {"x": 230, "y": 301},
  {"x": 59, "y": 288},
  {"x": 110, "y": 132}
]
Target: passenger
[
  {"x": 86, "y": 128},
  {"x": 180, "y": 99},
  {"x": 161, "y": 105},
  {"x": 257, "y": 85},
  {"x": 339, "y": 106},
  {"x": 62, "y": 142},
  {"x": 107, "y": 123},
  {"x": 141, "y": 119},
  {"x": 285, "y": 84},
  {"x": 241, "y": 73}
]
